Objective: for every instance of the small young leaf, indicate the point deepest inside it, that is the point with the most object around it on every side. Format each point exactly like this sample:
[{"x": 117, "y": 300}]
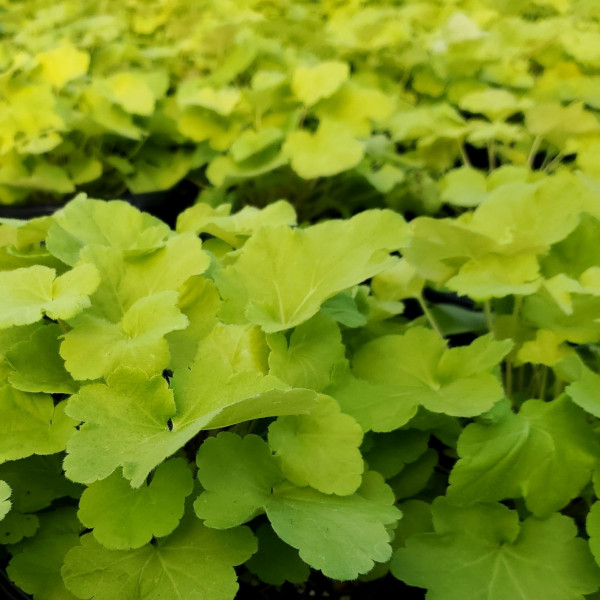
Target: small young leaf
[
  {"x": 30, "y": 293},
  {"x": 307, "y": 360},
  {"x": 320, "y": 449},
  {"x": 330, "y": 150}
]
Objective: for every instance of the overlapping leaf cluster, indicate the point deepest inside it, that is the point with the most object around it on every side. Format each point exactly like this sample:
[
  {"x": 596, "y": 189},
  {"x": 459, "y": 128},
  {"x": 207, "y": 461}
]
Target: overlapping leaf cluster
[
  {"x": 246, "y": 391},
  {"x": 336, "y": 105}
]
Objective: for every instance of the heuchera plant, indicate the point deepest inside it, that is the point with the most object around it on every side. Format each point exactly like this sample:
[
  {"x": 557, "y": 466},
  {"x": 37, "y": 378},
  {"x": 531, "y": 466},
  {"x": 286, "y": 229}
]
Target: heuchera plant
[
  {"x": 363, "y": 104},
  {"x": 244, "y": 391}
]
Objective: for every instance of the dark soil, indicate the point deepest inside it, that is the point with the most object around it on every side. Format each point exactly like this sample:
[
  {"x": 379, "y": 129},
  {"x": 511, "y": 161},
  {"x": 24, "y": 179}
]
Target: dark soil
[
  {"x": 317, "y": 588},
  {"x": 321, "y": 588}
]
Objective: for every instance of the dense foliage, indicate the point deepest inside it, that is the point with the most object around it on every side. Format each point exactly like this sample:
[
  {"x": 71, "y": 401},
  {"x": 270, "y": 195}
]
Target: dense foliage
[
  {"x": 266, "y": 393},
  {"x": 335, "y": 105},
  {"x": 246, "y": 391}
]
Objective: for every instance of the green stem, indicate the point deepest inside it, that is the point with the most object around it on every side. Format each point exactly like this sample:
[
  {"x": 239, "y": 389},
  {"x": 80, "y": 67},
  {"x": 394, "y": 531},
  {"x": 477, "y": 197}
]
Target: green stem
[
  {"x": 463, "y": 154},
  {"x": 534, "y": 148},
  {"x": 429, "y": 316}
]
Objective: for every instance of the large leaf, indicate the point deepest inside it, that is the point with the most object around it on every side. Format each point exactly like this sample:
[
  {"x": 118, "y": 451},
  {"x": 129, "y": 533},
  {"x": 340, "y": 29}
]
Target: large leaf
[
  {"x": 283, "y": 275},
  {"x": 398, "y": 373},
  {"x": 484, "y": 553},
  {"x": 134, "y": 421},
  {"x": 545, "y": 453},
  {"x": 340, "y": 535},
  {"x": 124, "y": 518},
  {"x": 193, "y": 563}
]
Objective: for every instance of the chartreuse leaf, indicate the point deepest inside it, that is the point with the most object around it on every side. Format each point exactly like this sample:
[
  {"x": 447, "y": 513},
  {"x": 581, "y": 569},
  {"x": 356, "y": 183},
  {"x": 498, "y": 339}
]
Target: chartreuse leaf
[
  {"x": 227, "y": 385},
  {"x": 342, "y": 536},
  {"x": 63, "y": 63},
  {"x": 125, "y": 420},
  {"x": 192, "y": 92},
  {"x": 546, "y": 454},
  {"x": 37, "y": 561},
  {"x": 577, "y": 252},
  {"x": 131, "y": 92},
  {"x": 234, "y": 497},
  {"x": 357, "y": 106},
  {"x": 438, "y": 247},
  {"x": 584, "y": 389},
  {"x": 464, "y": 186},
  {"x": 5, "y": 502},
  {"x": 307, "y": 360},
  {"x": 276, "y": 562},
  {"x": 546, "y": 349},
  {"x": 330, "y": 150},
  {"x": 484, "y": 553},
  {"x": 398, "y": 282},
  {"x": 557, "y": 123},
  {"x": 320, "y": 449},
  {"x": 373, "y": 405},
  {"x": 311, "y": 84},
  {"x": 30, "y": 293},
  {"x": 237, "y": 228},
  {"x": 496, "y": 104},
  {"x": 328, "y": 258},
  {"x": 85, "y": 222},
  {"x": 350, "y": 536},
  {"x": 199, "y": 301},
  {"x": 126, "y": 280},
  {"x": 497, "y": 276},
  {"x": 252, "y": 142},
  {"x": 158, "y": 168},
  {"x": 109, "y": 117},
  {"x": 133, "y": 420},
  {"x": 223, "y": 171},
  {"x": 530, "y": 217},
  {"x": 193, "y": 563},
  {"x": 31, "y": 424},
  {"x": 37, "y": 364},
  {"x": 399, "y": 373},
  {"x": 124, "y": 518},
  {"x": 95, "y": 347}
]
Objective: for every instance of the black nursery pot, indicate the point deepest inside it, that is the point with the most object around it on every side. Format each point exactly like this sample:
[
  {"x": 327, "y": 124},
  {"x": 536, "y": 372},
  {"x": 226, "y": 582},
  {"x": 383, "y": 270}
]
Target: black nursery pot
[
  {"x": 165, "y": 205},
  {"x": 8, "y": 591}
]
